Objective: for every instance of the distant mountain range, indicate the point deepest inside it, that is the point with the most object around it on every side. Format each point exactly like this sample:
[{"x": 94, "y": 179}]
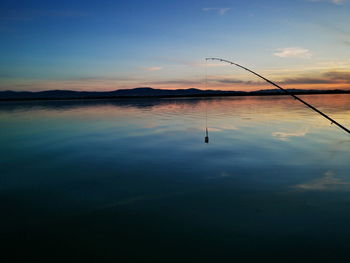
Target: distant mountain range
[{"x": 145, "y": 92}]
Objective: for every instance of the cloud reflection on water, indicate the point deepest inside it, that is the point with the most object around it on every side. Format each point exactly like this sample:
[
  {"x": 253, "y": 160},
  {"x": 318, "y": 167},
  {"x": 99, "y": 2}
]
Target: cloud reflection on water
[
  {"x": 328, "y": 182},
  {"x": 285, "y": 136}
]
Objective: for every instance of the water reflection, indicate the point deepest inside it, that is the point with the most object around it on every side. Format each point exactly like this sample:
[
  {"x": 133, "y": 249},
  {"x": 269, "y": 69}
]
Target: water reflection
[
  {"x": 73, "y": 104},
  {"x": 114, "y": 177},
  {"x": 328, "y": 182},
  {"x": 285, "y": 136}
]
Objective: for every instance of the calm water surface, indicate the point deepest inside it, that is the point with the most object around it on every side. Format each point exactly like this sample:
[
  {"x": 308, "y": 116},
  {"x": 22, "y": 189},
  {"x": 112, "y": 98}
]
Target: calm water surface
[{"x": 133, "y": 180}]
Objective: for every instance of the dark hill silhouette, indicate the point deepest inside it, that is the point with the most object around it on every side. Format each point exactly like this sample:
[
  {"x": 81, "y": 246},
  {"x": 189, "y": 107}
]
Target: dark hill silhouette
[{"x": 145, "y": 92}]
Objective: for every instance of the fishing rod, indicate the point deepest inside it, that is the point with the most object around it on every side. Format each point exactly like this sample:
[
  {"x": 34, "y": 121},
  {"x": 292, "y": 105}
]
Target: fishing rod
[{"x": 285, "y": 91}]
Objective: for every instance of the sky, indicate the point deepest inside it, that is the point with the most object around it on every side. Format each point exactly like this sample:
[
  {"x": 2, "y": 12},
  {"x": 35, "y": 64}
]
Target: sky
[{"x": 109, "y": 45}]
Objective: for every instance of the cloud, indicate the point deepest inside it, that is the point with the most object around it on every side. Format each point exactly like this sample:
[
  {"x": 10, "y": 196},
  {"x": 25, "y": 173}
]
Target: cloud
[
  {"x": 237, "y": 81},
  {"x": 336, "y": 75},
  {"x": 152, "y": 68},
  {"x": 176, "y": 82},
  {"x": 284, "y": 136},
  {"x": 331, "y": 77},
  {"x": 306, "y": 80},
  {"x": 337, "y": 2},
  {"x": 221, "y": 11},
  {"x": 194, "y": 63},
  {"x": 293, "y": 52},
  {"x": 31, "y": 14},
  {"x": 88, "y": 83}
]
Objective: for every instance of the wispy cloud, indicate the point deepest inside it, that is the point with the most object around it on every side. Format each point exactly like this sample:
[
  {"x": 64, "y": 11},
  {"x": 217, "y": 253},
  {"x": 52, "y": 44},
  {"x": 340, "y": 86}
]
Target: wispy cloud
[
  {"x": 293, "y": 52},
  {"x": 193, "y": 63},
  {"x": 337, "y": 2},
  {"x": 336, "y": 75},
  {"x": 152, "y": 68},
  {"x": 31, "y": 14},
  {"x": 236, "y": 81},
  {"x": 179, "y": 82},
  {"x": 331, "y": 77},
  {"x": 306, "y": 80},
  {"x": 221, "y": 11},
  {"x": 82, "y": 83},
  {"x": 346, "y": 42}
]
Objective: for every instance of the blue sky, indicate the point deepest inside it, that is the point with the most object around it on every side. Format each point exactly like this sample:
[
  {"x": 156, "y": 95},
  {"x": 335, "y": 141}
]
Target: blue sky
[{"x": 108, "y": 45}]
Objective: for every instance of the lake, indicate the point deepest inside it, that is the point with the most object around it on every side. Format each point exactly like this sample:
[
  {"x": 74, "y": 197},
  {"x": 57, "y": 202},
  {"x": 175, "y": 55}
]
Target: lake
[{"x": 133, "y": 180}]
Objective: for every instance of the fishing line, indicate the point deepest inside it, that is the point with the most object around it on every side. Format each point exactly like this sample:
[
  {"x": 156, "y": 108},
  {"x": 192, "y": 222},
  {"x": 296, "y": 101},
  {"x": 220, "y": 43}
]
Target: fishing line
[
  {"x": 206, "y": 139},
  {"x": 285, "y": 91}
]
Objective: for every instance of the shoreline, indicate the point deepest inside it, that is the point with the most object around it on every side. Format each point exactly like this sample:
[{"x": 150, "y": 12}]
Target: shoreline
[{"x": 212, "y": 95}]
